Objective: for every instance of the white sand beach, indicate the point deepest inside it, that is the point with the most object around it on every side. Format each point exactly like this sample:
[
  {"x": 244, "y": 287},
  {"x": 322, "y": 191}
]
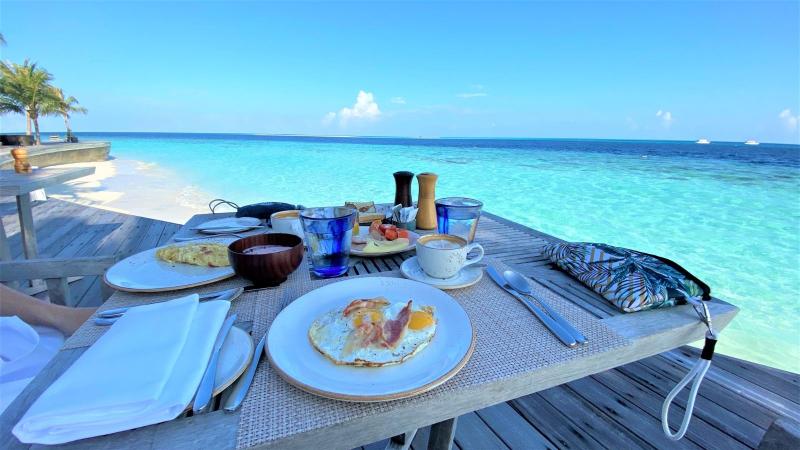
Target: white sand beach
[{"x": 135, "y": 187}]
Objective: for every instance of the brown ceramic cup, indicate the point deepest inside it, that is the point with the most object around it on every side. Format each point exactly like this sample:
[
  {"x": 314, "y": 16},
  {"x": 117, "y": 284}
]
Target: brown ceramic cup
[{"x": 270, "y": 269}]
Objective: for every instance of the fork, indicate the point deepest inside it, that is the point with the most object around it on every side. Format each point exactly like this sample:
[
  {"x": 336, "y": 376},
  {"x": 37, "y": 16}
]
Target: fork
[
  {"x": 210, "y": 236},
  {"x": 109, "y": 316}
]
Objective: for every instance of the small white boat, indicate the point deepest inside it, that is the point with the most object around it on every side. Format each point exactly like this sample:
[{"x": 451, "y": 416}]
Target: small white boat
[
  {"x": 55, "y": 138},
  {"x": 751, "y": 142},
  {"x": 703, "y": 141}
]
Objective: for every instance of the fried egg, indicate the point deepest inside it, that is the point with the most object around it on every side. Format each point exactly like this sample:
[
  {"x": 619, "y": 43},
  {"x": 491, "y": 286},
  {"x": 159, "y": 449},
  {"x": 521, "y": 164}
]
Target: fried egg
[{"x": 374, "y": 332}]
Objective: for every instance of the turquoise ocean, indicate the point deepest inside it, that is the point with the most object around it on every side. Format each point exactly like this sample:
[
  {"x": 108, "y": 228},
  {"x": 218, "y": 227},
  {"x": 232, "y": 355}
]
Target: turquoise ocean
[{"x": 727, "y": 212}]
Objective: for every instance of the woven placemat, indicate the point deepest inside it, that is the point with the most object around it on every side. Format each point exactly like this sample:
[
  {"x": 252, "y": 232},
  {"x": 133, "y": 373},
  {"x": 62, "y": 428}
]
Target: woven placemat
[
  {"x": 88, "y": 333},
  {"x": 510, "y": 342}
]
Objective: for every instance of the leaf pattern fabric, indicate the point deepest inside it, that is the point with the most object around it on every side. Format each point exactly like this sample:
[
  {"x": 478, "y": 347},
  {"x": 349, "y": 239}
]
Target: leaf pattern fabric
[{"x": 630, "y": 280}]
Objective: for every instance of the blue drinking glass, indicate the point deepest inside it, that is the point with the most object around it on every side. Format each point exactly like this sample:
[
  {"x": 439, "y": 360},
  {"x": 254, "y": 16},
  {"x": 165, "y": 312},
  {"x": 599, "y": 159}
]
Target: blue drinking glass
[
  {"x": 458, "y": 216},
  {"x": 328, "y": 232}
]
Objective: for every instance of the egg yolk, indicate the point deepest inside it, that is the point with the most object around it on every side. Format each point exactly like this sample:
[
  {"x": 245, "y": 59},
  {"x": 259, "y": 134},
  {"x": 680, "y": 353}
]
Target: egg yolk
[
  {"x": 420, "y": 320},
  {"x": 374, "y": 317}
]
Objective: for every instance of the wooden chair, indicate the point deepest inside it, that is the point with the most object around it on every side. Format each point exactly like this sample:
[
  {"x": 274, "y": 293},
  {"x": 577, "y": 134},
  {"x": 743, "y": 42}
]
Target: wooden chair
[{"x": 55, "y": 273}]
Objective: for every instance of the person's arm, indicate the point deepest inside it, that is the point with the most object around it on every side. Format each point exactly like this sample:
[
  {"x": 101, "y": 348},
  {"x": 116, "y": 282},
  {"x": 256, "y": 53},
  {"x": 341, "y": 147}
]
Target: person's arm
[{"x": 36, "y": 312}]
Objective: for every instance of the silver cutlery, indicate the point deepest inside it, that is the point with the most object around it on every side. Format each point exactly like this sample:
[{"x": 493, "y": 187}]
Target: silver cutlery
[
  {"x": 226, "y": 228},
  {"x": 204, "y": 393},
  {"x": 210, "y": 236},
  {"x": 109, "y": 316},
  {"x": 239, "y": 390},
  {"x": 521, "y": 285},
  {"x": 554, "y": 327}
]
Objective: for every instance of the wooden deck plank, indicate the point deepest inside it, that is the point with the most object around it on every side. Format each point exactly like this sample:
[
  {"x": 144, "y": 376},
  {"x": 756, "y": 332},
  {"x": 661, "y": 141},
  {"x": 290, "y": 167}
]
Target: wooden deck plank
[
  {"x": 619, "y": 410},
  {"x": 785, "y": 384},
  {"x": 657, "y": 370},
  {"x": 512, "y": 428},
  {"x": 753, "y": 391},
  {"x": 473, "y": 434},
  {"x": 705, "y": 409},
  {"x": 66, "y": 229},
  {"x": 571, "y": 422},
  {"x": 52, "y": 227},
  {"x": 703, "y": 433}
]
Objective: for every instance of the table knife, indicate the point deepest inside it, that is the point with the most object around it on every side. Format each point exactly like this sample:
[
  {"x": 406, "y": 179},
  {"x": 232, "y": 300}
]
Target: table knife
[
  {"x": 561, "y": 320},
  {"x": 239, "y": 390},
  {"x": 203, "y": 396},
  {"x": 554, "y": 327},
  {"x": 227, "y": 294}
]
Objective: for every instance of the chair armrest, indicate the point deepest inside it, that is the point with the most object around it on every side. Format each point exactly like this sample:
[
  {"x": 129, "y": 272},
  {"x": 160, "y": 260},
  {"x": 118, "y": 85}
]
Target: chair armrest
[{"x": 34, "y": 269}]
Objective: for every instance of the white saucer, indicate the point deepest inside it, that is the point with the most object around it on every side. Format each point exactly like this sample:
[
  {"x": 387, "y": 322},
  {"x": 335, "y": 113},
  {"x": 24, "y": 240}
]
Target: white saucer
[{"x": 466, "y": 277}]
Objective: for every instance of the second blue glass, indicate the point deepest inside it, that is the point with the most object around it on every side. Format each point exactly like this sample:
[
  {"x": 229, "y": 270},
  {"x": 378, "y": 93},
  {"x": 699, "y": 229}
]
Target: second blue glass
[
  {"x": 328, "y": 232},
  {"x": 458, "y": 216}
]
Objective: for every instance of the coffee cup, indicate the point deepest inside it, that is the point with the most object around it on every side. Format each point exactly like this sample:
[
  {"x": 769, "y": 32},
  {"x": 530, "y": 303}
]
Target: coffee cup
[
  {"x": 444, "y": 255},
  {"x": 287, "y": 222}
]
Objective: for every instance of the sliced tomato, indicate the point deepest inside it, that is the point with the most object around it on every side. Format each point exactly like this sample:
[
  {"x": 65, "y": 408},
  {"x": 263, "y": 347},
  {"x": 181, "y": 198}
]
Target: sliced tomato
[
  {"x": 390, "y": 234},
  {"x": 402, "y": 233},
  {"x": 386, "y": 226}
]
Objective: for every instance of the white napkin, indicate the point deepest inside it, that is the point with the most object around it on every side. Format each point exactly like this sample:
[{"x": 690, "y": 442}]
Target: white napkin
[
  {"x": 142, "y": 371},
  {"x": 17, "y": 340}
]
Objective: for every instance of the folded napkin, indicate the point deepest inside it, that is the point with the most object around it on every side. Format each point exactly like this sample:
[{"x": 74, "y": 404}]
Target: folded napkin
[{"x": 144, "y": 370}]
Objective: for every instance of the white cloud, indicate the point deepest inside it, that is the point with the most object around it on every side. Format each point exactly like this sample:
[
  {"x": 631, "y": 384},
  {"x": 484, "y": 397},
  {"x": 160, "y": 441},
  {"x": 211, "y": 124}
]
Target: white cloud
[
  {"x": 398, "y": 100},
  {"x": 666, "y": 118},
  {"x": 789, "y": 120},
  {"x": 365, "y": 108},
  {"x": 329, "y": 118},
  {"x": 472, "y": 94}
]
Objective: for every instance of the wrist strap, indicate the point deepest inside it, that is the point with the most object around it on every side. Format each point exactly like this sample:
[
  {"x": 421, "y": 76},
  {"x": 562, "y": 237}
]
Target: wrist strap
[{"x": 695, "y": 376}]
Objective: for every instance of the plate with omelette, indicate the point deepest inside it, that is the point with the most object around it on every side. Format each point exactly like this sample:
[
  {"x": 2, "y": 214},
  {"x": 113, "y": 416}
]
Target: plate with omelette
[
  {"x": 174, "y": 266},
  {"x": 370, "y": 339}
]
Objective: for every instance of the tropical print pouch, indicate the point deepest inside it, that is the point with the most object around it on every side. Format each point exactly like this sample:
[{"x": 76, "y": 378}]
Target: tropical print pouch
[{"x": 631, "y": 280}]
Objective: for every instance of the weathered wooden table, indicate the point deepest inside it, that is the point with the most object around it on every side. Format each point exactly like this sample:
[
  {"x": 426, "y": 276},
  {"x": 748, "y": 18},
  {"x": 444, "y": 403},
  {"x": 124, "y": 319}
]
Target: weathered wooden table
[
  {"x": 646, "y": 333},
  {"x": 20, "y": 185}
]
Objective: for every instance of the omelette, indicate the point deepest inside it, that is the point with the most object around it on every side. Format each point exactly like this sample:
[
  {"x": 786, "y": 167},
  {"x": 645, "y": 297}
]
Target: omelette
[
  {"x": 373, "y": 332},
  {"x": 208, "y": 254}
]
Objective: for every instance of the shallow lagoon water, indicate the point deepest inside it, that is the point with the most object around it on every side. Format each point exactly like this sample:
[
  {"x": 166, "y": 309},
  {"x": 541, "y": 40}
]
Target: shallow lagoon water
[{"x": 728, "y": 213}]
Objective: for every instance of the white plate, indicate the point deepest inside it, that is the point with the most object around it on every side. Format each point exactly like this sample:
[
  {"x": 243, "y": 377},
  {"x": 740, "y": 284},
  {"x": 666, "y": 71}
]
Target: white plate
[
  {"x": 143, "y": 272},
  {"x": 364, "y": 231},
  {"x": 234, "y": 356},
  {"x": 466, "y": 277},
  {"x": 228, "y": 225},
  {"x": 293, "y": 357}
]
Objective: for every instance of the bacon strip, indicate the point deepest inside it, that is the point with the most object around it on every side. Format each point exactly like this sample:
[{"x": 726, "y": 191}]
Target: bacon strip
[
  {"x": 365, "y": 335},
  {"x": 394, "y": 329},
  {"x": 371, "y": 303}
]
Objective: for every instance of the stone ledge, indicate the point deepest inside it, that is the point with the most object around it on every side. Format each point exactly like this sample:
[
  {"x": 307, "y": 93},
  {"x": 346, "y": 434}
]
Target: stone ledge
[{"x": 55, "y": 154}]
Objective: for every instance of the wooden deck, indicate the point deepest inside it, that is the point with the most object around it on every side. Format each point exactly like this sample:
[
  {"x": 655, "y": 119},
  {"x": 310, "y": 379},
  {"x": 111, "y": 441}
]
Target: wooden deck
[
  {"x": 615, "y": 409},
  {"x": 69, "y": 230}
]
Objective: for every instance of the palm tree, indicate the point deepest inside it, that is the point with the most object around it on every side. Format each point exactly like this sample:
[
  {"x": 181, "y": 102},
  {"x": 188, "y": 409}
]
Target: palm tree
[
  {"x": 28, "y": 86},
  {"x": 63, "y": 106}
]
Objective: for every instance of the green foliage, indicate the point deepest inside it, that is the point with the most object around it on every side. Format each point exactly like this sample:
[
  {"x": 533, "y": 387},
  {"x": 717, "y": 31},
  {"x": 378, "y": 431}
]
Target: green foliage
[{"x": 26, "y": 89}]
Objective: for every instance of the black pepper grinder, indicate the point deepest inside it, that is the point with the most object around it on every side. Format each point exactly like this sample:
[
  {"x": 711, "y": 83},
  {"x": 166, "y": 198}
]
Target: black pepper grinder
[{"x": 402, "y": 193}]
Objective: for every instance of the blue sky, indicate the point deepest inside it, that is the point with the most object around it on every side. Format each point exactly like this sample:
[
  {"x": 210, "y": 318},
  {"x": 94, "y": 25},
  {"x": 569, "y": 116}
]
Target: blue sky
[{"x": 721, "y": 70}]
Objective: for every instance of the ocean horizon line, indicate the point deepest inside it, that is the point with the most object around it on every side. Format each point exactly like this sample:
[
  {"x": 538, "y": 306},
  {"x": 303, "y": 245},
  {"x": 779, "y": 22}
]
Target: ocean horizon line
[{"x": 415, "y": 138}]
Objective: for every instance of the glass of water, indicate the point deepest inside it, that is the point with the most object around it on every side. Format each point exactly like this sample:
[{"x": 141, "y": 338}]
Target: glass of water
[
  {"x": 458, "y": 216},
  {"x": 328, "y": 232}
]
